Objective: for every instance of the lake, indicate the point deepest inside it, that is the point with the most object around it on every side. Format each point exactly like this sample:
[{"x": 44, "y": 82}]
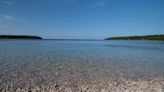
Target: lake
[{"x": 45, "y": 62}]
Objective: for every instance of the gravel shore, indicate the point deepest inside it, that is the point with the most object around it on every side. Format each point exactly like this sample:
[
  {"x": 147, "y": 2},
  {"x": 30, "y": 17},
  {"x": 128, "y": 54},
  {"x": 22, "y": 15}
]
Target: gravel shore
[
  {"x": 70, "y": 78},
  {"x": 120, "y": 85}
]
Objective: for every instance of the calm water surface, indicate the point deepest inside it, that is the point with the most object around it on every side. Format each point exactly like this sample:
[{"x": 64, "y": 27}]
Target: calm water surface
[{"x": 30, "y": 59}]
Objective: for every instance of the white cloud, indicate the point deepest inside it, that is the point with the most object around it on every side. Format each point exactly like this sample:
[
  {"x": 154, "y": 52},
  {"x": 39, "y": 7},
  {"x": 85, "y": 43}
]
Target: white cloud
[
  {"x": 7, "y": 17},
  {"x": 8, "y": 2}
]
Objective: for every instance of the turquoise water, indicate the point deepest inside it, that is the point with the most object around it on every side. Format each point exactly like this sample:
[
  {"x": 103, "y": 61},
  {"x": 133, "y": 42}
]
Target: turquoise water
[{"x": 59, "y": 59}]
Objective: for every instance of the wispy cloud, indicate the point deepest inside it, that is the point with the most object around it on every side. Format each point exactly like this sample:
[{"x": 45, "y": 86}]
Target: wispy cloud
[
  {"x": 8, "y": 2},
  {"x": 90, "y": 3},
  {"x": 3, "y": 28},
  {"x": 7, "y": 17},
  {"x": 97, "y": 4}
]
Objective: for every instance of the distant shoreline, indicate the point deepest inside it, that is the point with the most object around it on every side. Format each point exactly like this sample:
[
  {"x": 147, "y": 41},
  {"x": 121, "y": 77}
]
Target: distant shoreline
[
  {"x": 147, "y": 37},
  {"x": 19, "y": 37}
]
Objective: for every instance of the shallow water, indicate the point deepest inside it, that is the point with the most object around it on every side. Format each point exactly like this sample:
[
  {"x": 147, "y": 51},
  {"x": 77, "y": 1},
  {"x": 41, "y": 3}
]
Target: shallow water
[{"x": 42, "y": 61}]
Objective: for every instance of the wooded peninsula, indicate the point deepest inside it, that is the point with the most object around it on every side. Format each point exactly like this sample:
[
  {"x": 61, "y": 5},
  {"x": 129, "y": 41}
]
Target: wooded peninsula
[
  {"x": 19, "y": 37},
  {"x": 147, "y": 37}
]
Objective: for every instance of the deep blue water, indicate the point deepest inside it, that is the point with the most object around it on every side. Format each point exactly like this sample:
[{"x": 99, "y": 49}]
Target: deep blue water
[{"x": 92, "y": 59}]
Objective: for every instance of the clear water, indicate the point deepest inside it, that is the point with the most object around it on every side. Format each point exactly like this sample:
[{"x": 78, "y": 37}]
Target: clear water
[{"x": 61, "y": 60}]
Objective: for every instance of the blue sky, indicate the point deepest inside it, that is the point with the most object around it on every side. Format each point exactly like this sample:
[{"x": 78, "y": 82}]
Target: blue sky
[{"x": 89, "y": 19}]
